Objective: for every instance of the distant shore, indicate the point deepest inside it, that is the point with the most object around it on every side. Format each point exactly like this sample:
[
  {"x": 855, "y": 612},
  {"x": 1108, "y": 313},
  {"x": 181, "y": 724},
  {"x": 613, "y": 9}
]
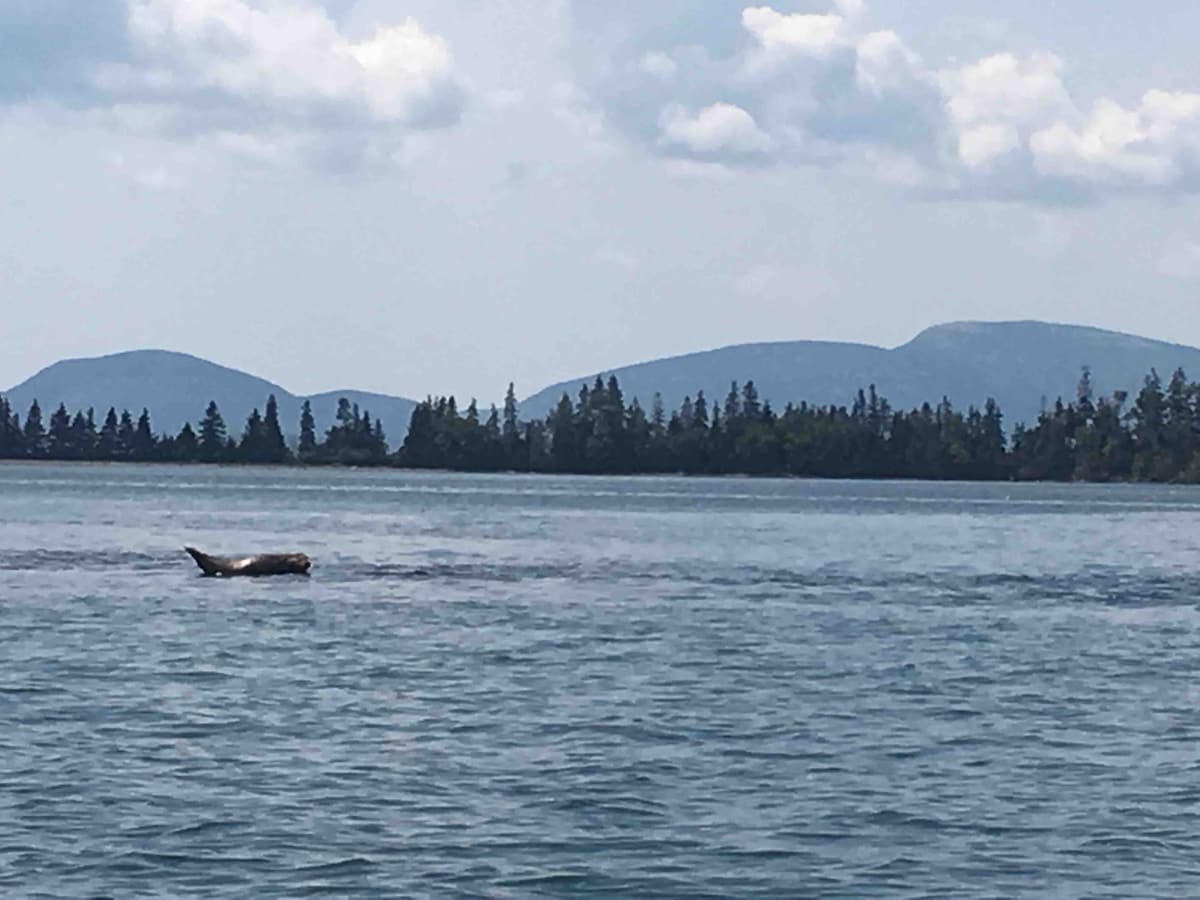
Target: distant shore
[{"x": 1154, "y": 438}]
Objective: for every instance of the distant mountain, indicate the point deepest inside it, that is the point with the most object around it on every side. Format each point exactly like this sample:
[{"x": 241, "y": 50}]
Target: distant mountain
[
  {"x": 176, "y": 388},
  {"x": 1019, "y": 364}
]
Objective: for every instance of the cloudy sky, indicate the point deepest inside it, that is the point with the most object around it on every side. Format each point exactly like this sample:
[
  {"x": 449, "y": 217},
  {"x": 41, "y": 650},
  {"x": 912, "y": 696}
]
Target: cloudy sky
[{"x": 419, "y": 196}]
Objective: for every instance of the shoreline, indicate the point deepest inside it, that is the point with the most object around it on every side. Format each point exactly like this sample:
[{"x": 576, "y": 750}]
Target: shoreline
[{"x": 712, "y": 476}]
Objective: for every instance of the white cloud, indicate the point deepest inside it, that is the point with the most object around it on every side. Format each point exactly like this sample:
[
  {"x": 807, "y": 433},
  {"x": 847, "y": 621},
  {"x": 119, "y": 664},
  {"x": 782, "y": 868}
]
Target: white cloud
[
  {"x": 822, "y": 88},
  {"x": 1005, "y": 88},
  {"x": 812, "y": 34},
  {"x": 718, "y": 129},
  {"x": 1152, "y": 145},
  {"x": 286, "y": 54},
  {"x": 285, "y": 81},
  {"x": 809, "y": 88},
  {"x": 994, "y": 102},
  {"x": 660, "y": 65},
  {"x": 885, "y": 63},
  {"x": 979, "y": 145},
  {"x": 274, "y": 72},
  {"x": 572, "y": 107}
]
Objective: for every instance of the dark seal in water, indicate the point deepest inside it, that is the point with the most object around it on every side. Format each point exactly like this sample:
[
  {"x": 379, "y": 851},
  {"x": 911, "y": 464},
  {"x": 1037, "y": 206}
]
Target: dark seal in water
[{"x": 251, "y": 566}]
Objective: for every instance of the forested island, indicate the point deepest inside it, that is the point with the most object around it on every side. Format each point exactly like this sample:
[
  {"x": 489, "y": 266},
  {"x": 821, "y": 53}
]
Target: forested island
[{"x": 1156, "y": 437}]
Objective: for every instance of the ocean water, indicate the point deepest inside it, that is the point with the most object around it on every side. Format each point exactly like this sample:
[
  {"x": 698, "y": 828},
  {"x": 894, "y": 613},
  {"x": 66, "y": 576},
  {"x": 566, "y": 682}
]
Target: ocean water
[{"x": 508, "y": 686}]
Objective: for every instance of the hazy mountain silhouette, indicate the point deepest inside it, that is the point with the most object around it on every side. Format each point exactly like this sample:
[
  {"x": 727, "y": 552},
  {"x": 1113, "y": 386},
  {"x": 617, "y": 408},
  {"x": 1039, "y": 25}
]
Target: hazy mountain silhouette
[
  {"x": 1020, "y": 364},
  {"x": 176, "y": 388}
]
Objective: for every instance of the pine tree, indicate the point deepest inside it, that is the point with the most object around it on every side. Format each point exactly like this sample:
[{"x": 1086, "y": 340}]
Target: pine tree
[
  {"x": 11, "y": 438},
  {"x": 381, "y": 445},
  {"x": 419, "y": 447},
  {"x": 274, "y": 446},
  {"x": 83, "y": 434},
  {"x": 511, "y": 429},
  {"x": 308, "y": 431},
  {"x": 700, "y": 412},
  {"x": 562, "y": 435},
  {"x": 657, "y": 415},
  {"x": 637, "y": 431},
  {"x": 213, "y": 436},
  {"x": 1178, "y": 428},
  {"x": 751, "y": 408},
  {"x": 35, "y": 431},
  {"x": 1149, "y": 422},
  {"x": 187, "y": 447},
  {"x": 126, "y": 435},
  {"x": 144, "y": 442},
  {"x": 252, "y": 449},
  {"x": 60, "y": 445},
  {"x": 687, "y": 413},
  {"x": 733, "y": 403},
  {"x": 109, "y": 444}
]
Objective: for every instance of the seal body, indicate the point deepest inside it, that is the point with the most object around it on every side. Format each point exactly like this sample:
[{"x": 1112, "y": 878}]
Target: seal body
[{"x": 251, "y": 566}]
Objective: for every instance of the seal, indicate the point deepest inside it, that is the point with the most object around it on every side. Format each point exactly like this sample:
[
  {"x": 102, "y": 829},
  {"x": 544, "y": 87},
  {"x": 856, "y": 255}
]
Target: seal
[{"x": 251, "y": 566}]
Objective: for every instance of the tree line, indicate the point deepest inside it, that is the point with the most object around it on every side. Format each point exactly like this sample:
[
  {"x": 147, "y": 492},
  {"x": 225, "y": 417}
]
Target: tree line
[
  {"x": 1156, "y": 437},
  {"x": 354, "y": 439}
]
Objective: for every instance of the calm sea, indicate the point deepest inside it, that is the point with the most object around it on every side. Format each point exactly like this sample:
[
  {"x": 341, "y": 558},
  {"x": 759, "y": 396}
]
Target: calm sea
[{"x": 528, "y": 686}]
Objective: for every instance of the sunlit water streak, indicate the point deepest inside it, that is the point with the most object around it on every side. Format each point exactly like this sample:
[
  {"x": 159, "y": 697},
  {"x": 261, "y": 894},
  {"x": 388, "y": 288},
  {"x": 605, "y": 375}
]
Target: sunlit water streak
[{"x": 508, "y": 687}]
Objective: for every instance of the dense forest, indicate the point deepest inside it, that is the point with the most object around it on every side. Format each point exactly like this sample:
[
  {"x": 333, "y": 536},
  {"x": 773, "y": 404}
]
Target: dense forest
[{"x": 1156, "y": 437}]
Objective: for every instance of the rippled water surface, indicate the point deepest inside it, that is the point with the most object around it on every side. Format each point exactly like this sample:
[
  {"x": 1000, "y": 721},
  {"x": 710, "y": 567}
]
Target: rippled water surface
[{"x": 512, "y": 687}]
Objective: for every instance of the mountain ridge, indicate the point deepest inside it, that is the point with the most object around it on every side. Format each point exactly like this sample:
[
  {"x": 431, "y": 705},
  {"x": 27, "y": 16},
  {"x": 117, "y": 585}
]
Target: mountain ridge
[
  {"x": 1022, "y": 364},
  {"x": 176, "y": 387}
]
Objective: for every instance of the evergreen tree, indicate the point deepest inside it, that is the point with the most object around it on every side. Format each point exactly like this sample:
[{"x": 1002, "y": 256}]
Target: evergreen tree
[
  {"x": 253, "y": 445},
  {"x": 1086, "y": 439},
  {"x": 354, "y": 440},
  {"x": 751, "y": 408},
  {"x": 511, "y": 430},
  {"x": 637, "y": 431},
  {"x": 143, "y": 444},
  {"x": 1179, "y": 435},
  {"x": 213, "y": 436},
  {"x": 274, "y": 447},
  {"x": 83, "y": 434},
  {"x": 35, "y": 431},
  {"x": 109, "y": 444},
  {"x": 126, "y": 439},
  {"x": 1149, "y": 425},
  {"x": 187, "y": 447},
  {"x": 657, "y": 415},
  {"x": 60, "y": 444},
  {"x": 308, "y": 432},
  {"x": 700, "y": 412},
  {"x": 733, "y": 403},
  {"x": 419, "y": 449},
  {"x": 11, "y": 443},
  {"x": 562, "y": 435}
]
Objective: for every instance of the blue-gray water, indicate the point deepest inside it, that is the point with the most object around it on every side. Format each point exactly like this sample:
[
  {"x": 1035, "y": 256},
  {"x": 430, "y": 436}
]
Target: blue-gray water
[{"x": 512, "y": 687}]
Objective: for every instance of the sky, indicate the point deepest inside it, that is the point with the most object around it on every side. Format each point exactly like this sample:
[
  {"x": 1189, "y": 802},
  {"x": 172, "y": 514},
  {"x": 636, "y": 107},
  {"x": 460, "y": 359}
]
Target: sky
[{"x": 443, "y": 196}]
